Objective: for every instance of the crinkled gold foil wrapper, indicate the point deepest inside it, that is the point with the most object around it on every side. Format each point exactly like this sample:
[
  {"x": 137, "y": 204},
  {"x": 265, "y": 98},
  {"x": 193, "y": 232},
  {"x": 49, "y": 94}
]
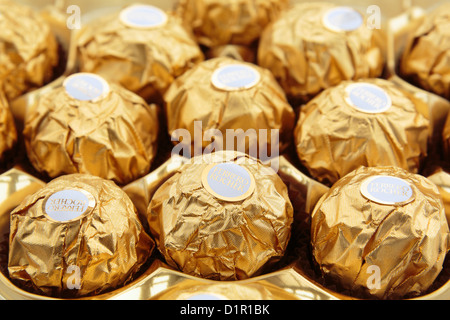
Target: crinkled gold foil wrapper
[
  {"x": 193, "y": 97},
  {"x": 114, "y": 138},
  {"x": 107, "y": 244},
  {"x": 220, "y": 22},
  {"x": 446, "y": 139},
  {"x": 441, "y": 178},
  {"x": 306, "y": 57},
  {"x": 333, "y": 138},
  {"x": 237, "y": 52},
  {"x": 145, "y": 61},
  {"x": 350, "y": 234},
  {"x": 204, "y": 236},
  {"x": 425, "y": 60},
  {"x": 28, "y": 50},
  {"x": 8, "y": 132}
]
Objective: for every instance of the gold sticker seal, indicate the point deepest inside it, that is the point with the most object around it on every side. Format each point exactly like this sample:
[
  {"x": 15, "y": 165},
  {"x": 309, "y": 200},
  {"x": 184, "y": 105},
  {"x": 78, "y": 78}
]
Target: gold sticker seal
[{"x": 228, "y": 181}]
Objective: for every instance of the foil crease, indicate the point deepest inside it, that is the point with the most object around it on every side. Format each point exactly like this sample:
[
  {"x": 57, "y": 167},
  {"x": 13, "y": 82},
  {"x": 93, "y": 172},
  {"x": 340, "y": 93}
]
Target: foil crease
[
  {"x": 145, "y": 61},
  {"x": 28, "y": 50},
  {"x": 426, "y": 56},
  {"x": 114, "y": 138},
  {"x": 306, "y": 57},
  {"x": 332, "y": 138},
  {"x": 8, "y": 132},
  {"x": 206, "y": 237},
  {"x": 408, "y": 243},
  {"x": 108, "y": 244},
  {"x": 264, "y": 106},
  {"x": 218, "y": 22}
]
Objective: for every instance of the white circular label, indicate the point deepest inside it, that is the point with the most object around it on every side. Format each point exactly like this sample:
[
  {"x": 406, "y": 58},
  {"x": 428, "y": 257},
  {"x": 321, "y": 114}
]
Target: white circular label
[
  {"x": 68, "y": 205},
  {"x": 143, "y": 17},
  {"x": 387, "y": 190},
  {"x": 342, "y": 19},
  {"x": 228, "y": 181},
  {"x": 367, "y": 97},
  {"x": 86, "y": 87},
  {"x": 235, "y": 77}
]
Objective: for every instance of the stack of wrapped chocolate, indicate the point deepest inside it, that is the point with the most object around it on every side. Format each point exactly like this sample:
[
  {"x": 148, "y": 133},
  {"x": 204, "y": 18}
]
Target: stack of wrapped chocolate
[{"x": 218, "y": 149}]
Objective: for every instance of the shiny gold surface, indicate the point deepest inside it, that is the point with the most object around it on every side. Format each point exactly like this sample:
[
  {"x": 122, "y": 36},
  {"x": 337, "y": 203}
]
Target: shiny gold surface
[
  {"x": 333, "y": 138},
  {"x": 8, "y": 131},
  {"x": 306, "y": 57},
  {"x": 407, "y": 242},
  {"x": 145, "y": 61},
  {"x": 107, "y": 243},
  {"x": 29, "y": 50},
  {"x": 155, "y": 284},
  {"x": 114, "y": 138},
  {"x": 220, "y": 22},
  {"x": 426, "y": 55},
  {"x": 217, "y": 239},
  {"x": 441, "y": 179},
  {"x": 238, "y": 52},
  {"x": 193, "y": 97},
  {"x": 160, "y": 280}
]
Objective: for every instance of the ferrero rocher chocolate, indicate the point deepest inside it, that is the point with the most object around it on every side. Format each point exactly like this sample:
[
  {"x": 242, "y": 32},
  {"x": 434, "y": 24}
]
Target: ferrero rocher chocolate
[
  {"x": 8, "y": 132},
  {"x": 370, "y": 123},
  {"x": 221, "y": 22},
  {"x": 441, "y": 178},
  {"x": 77, "y": 236},
  {"x": 90, "y": 126},
  {"x": 381, "y": 233},
  {"x": 237, "y": 52},
  {"x": 425, "y": 60},
  {"x": 225, "y": 218},
  {"x": 224, "y": 95},
  {"x": 28, "y": 50},
  {"x": 142, "y": 48},
  {"x": 316, "y": 45}
]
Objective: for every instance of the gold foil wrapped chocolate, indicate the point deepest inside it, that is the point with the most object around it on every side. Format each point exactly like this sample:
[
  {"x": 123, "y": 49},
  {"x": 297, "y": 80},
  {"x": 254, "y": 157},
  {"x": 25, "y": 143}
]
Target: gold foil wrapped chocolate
[
  {"x": 368, "y": 123},
  {"x": 77, "y": 236},
  {"x": 90, "y": 126},
  {"x": 28, "y": 50},
  {"x": 381, "y": 232},
  {"x": 224, "y": 94},
  {"x": 222, "y": 217},
  {"x": 142, "y": 48},
  {"x": 441, "y": 178},
  {"x": 425, "y": 58},
  {"x": 316, "y": 45},
  {"x": 8, "y": 132},
  {"x": 237, "y": 52},
  {"x": 220, "y": 22},
  {"x": 446, "y": 139}
]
